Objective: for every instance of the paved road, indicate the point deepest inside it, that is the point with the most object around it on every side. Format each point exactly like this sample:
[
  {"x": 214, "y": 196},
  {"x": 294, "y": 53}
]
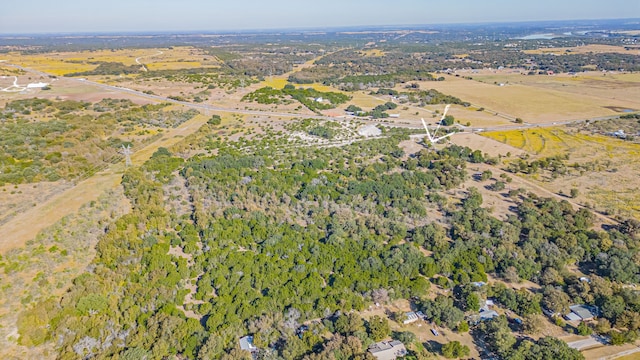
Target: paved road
[
  {"x": 215, "y": 108},
  {"x": 591, "y": 342}
]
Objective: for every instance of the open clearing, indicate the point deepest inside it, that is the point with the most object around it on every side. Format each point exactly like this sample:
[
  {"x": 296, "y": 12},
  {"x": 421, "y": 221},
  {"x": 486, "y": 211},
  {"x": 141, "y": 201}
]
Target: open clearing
[
  {"x": 532, "y": 104},
  {"x": 63, "y": 63},
  {"x": 607, "y": 188},
  {"x": 26, "y": 225},
  {"x": 587, "y": 49},
  {"x": 486, "y": 144},
  {"x": 605, "y": 86}
]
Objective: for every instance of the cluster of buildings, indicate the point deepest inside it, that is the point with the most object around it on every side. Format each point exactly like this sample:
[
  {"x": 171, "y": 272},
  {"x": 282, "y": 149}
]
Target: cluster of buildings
[{"x": 384, "y": 350}]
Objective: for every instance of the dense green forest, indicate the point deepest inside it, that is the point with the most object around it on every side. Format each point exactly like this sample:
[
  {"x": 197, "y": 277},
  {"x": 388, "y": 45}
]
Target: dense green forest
[
  {"x": 273, "y": 239},
  {"x": 313, "y": 99}
]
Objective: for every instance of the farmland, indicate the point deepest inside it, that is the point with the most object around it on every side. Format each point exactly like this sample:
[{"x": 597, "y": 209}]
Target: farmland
[
  {"x": 537, "y": 104},
  {"x": 610, "y": 186},
  {"x": 63, "y": 63}
]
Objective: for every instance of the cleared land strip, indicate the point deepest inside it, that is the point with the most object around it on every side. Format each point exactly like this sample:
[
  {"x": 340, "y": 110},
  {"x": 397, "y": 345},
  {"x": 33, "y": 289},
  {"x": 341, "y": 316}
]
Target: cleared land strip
[{"x": 26, "y": 225}]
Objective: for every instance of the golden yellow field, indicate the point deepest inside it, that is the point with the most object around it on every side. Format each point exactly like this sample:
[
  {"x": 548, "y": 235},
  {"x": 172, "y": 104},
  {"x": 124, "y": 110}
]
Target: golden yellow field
[
  {"x": 536, "y": 103},
  {"x": 602, "y": 88},
  {"x": 372, "y": 52},
  {"x": 591, "y": 48},
  {"x": 612, "y": 184},
  {"x": 553, "y": 141},
  {"x": 63, "y": 63},
  {"x": 275, "y": 82}
]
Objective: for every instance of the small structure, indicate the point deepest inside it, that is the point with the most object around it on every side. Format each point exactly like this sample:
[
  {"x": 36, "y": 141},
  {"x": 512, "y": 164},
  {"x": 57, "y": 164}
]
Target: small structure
[
  {"x": 550, "y": 313},
  {"x": 619, "y": 134},
  {"x": 488, "y": 315},
  {"x": 485, "y": 313},
  {"x": 410, "y": 317},
  {"x": 246, "y": 343},
  {"x": 581, "y": 313},
  {"x": 488, "y": 304},
  {"x": 394, "y": 116},
  {"x": 478, "y": 284},
  {"x": 388, "y": 350},
  {"x": 38, "y": 85}
]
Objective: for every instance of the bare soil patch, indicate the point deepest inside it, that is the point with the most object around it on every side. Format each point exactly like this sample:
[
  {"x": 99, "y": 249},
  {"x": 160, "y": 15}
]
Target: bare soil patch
[{"x": 486, "y": 145}]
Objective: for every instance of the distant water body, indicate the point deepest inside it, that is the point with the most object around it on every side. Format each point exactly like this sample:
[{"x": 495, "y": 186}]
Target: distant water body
[{"x": 538, "y": 37}]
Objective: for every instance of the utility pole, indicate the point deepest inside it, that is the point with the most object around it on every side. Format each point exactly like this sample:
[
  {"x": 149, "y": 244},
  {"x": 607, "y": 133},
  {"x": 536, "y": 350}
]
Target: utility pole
[{"x": 126, "y": 151}]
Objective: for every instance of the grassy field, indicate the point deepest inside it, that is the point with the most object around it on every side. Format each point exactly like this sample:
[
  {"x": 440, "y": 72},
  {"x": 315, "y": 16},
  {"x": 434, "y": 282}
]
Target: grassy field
[
  {"x": 372, "y": 53},
  {"x": 612, "y": 187},
  {"x": 591, "y": 48},
  {"x": 622, "y": 88},
  {"x": 63, "y": 63},
  {"x": 553, "y": 141},
  {"x": 534, "y": 103}
]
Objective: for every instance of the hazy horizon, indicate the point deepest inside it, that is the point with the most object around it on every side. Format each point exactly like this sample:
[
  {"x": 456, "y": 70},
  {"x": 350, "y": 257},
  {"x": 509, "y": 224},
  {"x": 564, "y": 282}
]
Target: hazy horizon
[{"x": 162, "y": 16}]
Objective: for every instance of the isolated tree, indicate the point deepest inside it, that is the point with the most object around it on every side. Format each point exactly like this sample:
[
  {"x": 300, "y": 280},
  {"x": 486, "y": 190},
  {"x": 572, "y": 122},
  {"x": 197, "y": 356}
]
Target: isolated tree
[
  {"x": 454, "y": 350},
  {"x": 603, "y": 326},
  {"x": 574, "y": 193},
  {"x": 583, "y": 329},
  {"x": 448, "y": 120},
  {"x": 463, "y": 327},
  {"x": 354, "y": 109}
]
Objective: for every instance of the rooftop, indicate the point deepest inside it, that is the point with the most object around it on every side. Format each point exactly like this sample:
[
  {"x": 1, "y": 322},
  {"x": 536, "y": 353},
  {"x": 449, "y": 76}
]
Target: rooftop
[
  {"x": 583, "y": 312},
  {"x": 388, "y": 350},
  {"x": 246, "y": 343}
]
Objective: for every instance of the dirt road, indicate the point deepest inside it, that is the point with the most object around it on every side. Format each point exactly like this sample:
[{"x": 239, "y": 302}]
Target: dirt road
[{"x": 26, "y": 225}]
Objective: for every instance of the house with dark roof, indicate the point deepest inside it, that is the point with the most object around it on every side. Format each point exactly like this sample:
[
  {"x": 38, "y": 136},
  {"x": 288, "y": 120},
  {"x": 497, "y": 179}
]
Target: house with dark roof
[
  {"x": 388, "y": 350},
  {"x": 582, "y": 313}
]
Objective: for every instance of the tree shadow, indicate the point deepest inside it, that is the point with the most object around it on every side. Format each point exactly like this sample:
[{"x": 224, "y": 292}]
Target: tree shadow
[{"x": 433, "y": 346}]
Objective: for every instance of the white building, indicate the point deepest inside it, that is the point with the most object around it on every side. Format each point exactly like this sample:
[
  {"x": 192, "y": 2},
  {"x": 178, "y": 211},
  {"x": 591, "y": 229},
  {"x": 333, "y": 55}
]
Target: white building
[{"x": 38, "y": 85}]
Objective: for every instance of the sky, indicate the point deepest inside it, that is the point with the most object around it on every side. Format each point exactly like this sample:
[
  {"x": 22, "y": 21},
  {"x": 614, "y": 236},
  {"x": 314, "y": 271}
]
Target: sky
[{"x": 62, "y": 16}]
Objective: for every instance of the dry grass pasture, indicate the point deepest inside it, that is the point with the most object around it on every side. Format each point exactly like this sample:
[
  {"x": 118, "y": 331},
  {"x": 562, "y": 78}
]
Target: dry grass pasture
[
  {"x": 607, "y": 87},
  {"x": 586, "y": 49},
  {"x": 63, "y": 63},
  {"x": 613, "y": 187},
  {"x": 532, "y": 104}
]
